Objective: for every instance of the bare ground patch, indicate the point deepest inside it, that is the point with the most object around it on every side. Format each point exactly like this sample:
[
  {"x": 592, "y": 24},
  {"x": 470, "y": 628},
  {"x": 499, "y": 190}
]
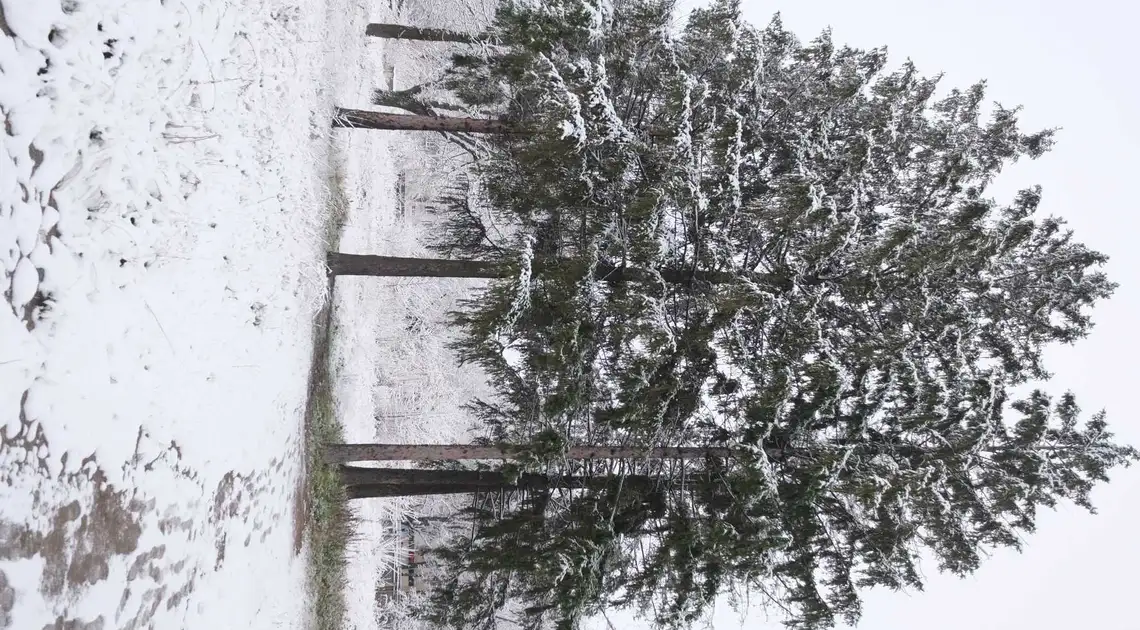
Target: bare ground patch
[{"x": 87, "y": 524}]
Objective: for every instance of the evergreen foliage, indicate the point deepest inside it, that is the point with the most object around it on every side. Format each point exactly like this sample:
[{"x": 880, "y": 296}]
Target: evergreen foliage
[{"x": 811, "y": 263}]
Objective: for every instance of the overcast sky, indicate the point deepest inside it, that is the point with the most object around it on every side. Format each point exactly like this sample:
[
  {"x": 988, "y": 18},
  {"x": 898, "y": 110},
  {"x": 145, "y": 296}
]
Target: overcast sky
[{"x": 1072, "y": 65}]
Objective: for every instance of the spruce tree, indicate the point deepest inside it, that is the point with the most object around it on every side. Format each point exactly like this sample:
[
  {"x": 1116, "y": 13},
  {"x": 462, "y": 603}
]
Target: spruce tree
[{"x": 873, "y": 312}]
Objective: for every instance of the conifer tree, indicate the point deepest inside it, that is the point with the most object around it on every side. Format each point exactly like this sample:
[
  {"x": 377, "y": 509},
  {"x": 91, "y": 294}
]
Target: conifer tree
[{"x": 873, "y": 312}]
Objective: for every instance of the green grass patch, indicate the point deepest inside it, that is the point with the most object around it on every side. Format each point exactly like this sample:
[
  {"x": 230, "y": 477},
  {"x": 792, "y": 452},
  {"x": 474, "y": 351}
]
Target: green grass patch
[
  {"x": 330, "y": 526},
  {"x": 329, "y": 522}
]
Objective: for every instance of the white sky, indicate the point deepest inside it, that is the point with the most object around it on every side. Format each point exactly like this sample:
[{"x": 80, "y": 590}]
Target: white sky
[{"x": 1071, "y": 64}]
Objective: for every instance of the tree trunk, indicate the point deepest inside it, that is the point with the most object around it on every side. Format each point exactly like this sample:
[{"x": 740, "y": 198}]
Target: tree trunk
[
  {"x": 342, "y": 453},
  {"x": 409, "y": 101},
  {"x": 457, "y": 481},
  {"x": 394, "y": 490},
  {"x": 421, "y": 520},
  {"x": 400, "y": 31},
  {"x": 380, "y": 490},
  {"x": 394, "y": 266},
  {"x": 355, "y": 475},
  {"x": 363, "y": 119}
]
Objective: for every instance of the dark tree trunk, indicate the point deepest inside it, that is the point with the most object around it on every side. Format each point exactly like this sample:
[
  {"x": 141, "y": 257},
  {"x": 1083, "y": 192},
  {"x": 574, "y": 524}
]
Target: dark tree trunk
[
  {"x": 669, "y": 275},
  {"x": 395, "y": 266},
  {"x": 343, "y": 453},
  {"x": 370, "y": 265},
  {"x": 380, "y": 490},
  {"x": 363, "y": 119},
  {"x": 400, "y": 31},
  {"x": 355, "y": 475},
  {"x": 423, "y": 520},
  {"x": 408, "y": 479},
  {"x": 402, "y": 482}
]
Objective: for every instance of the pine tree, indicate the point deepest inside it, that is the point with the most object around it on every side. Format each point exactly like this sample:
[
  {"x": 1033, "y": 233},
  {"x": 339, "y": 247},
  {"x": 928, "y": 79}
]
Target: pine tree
[
  {"x": 876, "y": 249},
  {"x": 874, "y": 309}
]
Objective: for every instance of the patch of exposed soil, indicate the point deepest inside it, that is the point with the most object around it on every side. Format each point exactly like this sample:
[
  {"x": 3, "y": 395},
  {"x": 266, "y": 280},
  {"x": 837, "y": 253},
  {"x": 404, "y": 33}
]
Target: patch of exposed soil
[
  {"x": 7, "y": 601},
  {"x": 4, "y": 28},
  {"x": 151, "y": 600},
  {"x": 77, "y": 547},
  {"x": 75, "y": 624},
  {"x": 80, "y": 540},
  {"x": 302, "y": 503},
  {"x": 27, "y": 447}
]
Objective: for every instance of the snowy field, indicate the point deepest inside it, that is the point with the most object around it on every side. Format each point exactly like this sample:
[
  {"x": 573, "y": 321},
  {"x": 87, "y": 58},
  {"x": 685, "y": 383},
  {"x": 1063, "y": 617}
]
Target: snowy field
[
  {"x": 394, "y": 378},
  {"x": 163, "y": 181}
]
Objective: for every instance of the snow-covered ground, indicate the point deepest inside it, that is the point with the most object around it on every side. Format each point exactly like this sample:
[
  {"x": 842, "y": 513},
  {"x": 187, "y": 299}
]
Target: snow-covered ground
[
  {"x": 163, "y": 180},
  {"x": 395, "y": 379}
]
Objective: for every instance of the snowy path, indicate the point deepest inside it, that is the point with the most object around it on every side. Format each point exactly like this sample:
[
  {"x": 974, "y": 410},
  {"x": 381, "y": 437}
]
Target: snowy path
[{"x": 162, "y": 194}]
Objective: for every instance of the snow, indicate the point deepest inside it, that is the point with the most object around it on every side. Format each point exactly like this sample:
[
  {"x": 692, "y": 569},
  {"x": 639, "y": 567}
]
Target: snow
[
  {"x": 24, "y": 281},
  {"x": 163, "y": 184},
  {"x": 395, "y": 379},
  {"x": 574, "y": 126}
]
